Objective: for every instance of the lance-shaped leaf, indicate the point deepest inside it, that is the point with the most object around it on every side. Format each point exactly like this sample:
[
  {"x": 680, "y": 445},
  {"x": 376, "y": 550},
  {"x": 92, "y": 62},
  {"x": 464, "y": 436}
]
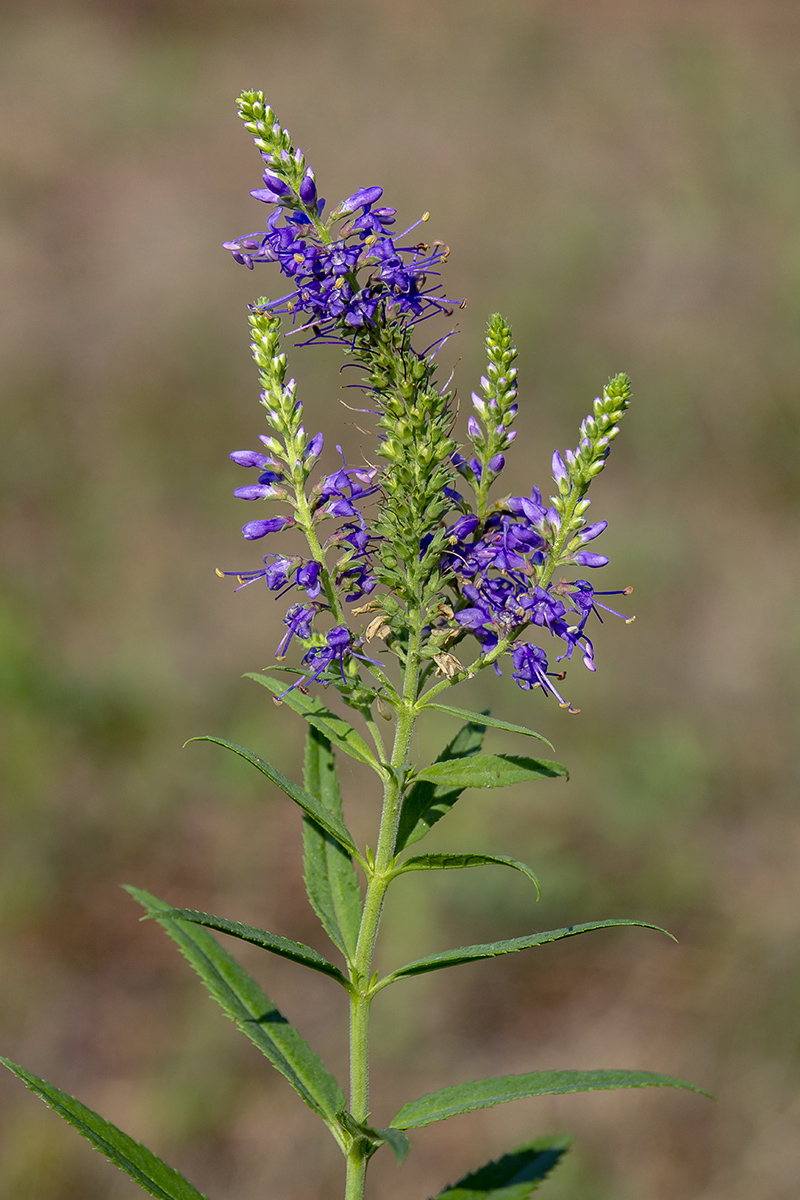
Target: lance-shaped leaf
[
  {"x": 449, "y": 862},
  {"x": 241, "y": 998},
  {"x": 330, "y": 879},
  {"x": 465, "y": 954},
  {"x": 514, "y": 1176},
  {"x": 485, "y": 719},
  {"x": 332, "y": 726},
  {"x": 426, "y": 803},
  {"x": 147, "y": 1169},
  {"x": 309, "y": 804},
  {"x": 485, "y": 1093},
  {"x": 284, "y": 947},
  {"x": 490, "y": 771}
]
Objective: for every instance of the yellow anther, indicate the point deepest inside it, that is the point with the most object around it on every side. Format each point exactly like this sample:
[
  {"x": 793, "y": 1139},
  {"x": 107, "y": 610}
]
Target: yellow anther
[
  {"x": 220, "y": 573},
  {"x": 426, "y": 216}
]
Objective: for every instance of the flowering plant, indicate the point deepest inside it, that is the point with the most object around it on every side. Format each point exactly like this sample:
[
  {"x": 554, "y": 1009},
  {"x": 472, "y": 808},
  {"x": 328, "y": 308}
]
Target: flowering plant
[{"x": 416, "y": 575}]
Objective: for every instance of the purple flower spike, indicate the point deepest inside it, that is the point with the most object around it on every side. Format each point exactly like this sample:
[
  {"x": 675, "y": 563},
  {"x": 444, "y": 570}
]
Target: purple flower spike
[{"x": 258, "y": 529}]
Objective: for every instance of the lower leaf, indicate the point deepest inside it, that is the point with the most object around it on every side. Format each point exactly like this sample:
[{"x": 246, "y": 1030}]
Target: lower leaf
[
  {"x": 512, "y": 1177},
  {"x": 147, "y": 1169}
]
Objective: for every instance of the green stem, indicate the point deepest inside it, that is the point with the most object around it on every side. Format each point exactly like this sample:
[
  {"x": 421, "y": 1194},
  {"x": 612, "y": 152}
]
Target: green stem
[{"x": 377, "y": 883}]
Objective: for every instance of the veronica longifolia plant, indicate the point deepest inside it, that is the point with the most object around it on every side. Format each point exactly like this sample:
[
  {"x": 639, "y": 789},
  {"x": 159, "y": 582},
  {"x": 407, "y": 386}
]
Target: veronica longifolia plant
[{"x": 417, "y": 557}]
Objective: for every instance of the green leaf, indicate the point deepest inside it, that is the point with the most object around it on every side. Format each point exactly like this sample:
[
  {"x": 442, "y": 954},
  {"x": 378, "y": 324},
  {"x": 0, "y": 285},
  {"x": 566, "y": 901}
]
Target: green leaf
[
  {"x": 484, "y": 719},
  {"x": 399, "y": 1146},
  {"x": 485, "y": 1093},
  {"x": 490, "y": 771},
  {"x": 147, "y": 1169},
  {"x": 273, "y": 942},
  {"x": 465, "y": 954},
  {"x": 514, "y": 1176},
  {"x": 330, "y": 879},
  {"x": 447, "y": 862},
  {"x": 331, "y": 824},
  {"x": 333, "y": 727},
  {"x": 426, "y": 803},
  {"x": 241, "y": 998}
]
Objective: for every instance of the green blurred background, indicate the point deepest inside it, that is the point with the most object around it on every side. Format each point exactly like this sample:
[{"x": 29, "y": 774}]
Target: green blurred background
[{"x": 622, "y": 180}]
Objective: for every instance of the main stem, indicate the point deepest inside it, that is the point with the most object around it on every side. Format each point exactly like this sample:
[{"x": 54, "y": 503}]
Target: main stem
[{"x": 377, "y": 884}]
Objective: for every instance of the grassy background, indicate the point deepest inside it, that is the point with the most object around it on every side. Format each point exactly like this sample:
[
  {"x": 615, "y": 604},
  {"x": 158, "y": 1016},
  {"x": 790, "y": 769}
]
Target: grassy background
[{"x": 622, "y": 180}]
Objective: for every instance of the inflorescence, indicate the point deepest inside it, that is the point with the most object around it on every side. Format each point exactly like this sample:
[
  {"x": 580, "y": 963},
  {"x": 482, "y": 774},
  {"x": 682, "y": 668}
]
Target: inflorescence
[{"x": 482, "y": 568}]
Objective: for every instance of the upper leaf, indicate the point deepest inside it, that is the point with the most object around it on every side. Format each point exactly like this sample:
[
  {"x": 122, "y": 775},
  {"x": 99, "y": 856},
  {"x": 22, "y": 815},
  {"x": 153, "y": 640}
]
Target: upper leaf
[
  {"x": 330, "y": 880},
  {"x": 484, "y": 719},
  {"x": 490, "y": 771},
  {"x": 485, "y": 1093},
  {"x": 310, "y": 805},
  {"x": 514, "y": 1176},
  {"x": 284, "y": 947},
  {"x": 426, "y": 803},
  {"x": 244, "y": 1002},
  {"x": 332, "y": 726},
  {"x": 464, "y": 954},
  {"x": 444, "y": 862},
  {"x": 147, "y": 1169}
]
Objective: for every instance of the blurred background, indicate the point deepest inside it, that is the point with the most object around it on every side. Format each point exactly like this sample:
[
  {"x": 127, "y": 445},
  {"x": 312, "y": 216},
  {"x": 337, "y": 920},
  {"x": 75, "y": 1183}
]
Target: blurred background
[{"x": 622, "y": 180}]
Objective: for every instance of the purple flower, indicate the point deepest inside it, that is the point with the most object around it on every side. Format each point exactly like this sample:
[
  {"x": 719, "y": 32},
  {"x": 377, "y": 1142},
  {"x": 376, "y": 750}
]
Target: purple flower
[
  {"x": 258, "y": 529},
  {"x": 360, "y": 199},
  {"x": 254, "y": 491},
  {"x": 592, "y": 531},
  {"x": 585, "y": 558},
  {"x": 308, "y": 577},
  {"x": 559, "y": 469},
  {"x": 298, "y": 620},
  {"x": 250, "y": 458},
  {"x": 337, "y": 642},
  {"x": 530, "y": 671}
]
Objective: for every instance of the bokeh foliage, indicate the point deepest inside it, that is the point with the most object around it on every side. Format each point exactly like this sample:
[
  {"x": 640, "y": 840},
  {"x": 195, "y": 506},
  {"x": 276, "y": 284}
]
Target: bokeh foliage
[{"x": 622, "y": 180}]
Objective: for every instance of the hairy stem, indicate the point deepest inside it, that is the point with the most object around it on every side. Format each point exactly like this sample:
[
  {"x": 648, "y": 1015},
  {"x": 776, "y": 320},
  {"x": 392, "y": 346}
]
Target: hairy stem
[{"x": 377, "y": 883}]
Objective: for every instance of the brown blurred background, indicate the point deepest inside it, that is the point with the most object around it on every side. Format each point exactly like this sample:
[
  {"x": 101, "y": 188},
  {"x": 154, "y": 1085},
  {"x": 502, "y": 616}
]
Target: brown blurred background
[{"x": 622, "y": 180}]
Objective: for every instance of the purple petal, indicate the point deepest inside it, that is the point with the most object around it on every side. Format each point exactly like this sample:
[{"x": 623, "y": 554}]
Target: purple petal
[
  {"x": 360, "y": 199},
  {"x": 585, "y": 558},
  {"x": 592, "y": 531},
  {"x": 250, "y": 458},
  {"x": 254, "y": 491},
  {"x": 258, "y": 529},
  {"x": 559, "y": 470}
]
